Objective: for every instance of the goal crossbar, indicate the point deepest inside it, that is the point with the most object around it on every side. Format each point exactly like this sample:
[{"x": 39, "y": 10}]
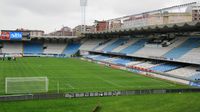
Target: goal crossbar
[{"x": 28, "y": 84}]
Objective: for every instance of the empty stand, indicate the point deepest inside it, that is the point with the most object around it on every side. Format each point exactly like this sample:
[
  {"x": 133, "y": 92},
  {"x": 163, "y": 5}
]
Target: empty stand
[
  {"x": 121, "y": 62},
  {"x": 166, "y": 67},
  {"x": 193, "y": 55},
  {"x": 195, "y": 76},
  {"x": 33, "y": 48},
  {"x": 12, "y": 47},
  {"x": 135, "y": 63},
  {"x": 71, "y": 49},
  {"x": 187, "y": 72},
  {"x": 107, "y": 59},
  {"x": 54, "y": 48},
  {"x": 184, "y": 48},
  {"x": 114, "y": 45},
  {"x": 158, "y": 51},
  {"x": 91, "y": 44},
  {"x": 146, "y": 65},
  {"x": 104, "y": 45},
  {"x": 97, "y": 57},
  {"x": 100, "y": 58},
  {"x": 134, "y": 47},
  {"x": 127, "y": 44}
]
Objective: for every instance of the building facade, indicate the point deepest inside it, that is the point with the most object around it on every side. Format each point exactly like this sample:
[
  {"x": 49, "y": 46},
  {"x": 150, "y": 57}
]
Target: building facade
[
  {"x": 64, "y": 31},
  {"x": 77, "y": 31},
  {"x": 157, "y": 19},
  {"x": 32, "y": 32},
  {"x": 195, "y": 11},
  {"x": 115, "y": 24},
  {"x": 101, "y": 26}
]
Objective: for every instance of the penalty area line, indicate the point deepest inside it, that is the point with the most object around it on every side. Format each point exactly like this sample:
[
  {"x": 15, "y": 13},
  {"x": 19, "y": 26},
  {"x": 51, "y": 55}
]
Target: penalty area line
[
  {"x": 70, "y": 86},
  {"x": 110, "y": 82}
]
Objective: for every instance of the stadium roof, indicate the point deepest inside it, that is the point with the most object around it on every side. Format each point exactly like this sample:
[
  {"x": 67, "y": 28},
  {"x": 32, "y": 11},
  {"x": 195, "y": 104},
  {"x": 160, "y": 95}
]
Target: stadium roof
[
  {"x": 169, "y": 28},
  {"x": 54, "y": 37}
]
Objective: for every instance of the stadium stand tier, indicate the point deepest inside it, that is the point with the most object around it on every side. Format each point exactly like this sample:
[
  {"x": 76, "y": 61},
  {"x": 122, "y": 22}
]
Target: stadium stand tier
[
  {"x": 184, "y": 48},
  {"x": 176, "y": 49},
  {"x": 134, "y": 47},
  {"x": 121, "y": 61},
  {"x": 158, "y": 50},
  {"x": 54, "y": 48},
  {"x": 12, "y": 47},
  {"x": 71, "y": 48},
  {"x": 33, "y": 48},
  {"x": 125, "y": 45},
  {"x": 105, "y": 44},
  {"x": 166, "y": 67},
  {"x": 189, "y": 72},
  {"x": 91, "y": 44},
  {"x": 114, "y": 45}
]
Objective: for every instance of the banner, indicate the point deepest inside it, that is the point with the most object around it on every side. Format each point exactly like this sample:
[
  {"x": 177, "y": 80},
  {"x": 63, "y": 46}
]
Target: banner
[
  {"x": 5, "y": 36},
  {"x": 194, "y": 84},
  {"x": 15, "y": 35}
]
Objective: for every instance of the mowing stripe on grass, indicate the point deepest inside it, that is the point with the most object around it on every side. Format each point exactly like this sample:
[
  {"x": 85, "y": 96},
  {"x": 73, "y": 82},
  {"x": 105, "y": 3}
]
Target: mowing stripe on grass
[
  {"x": 70, "y": 86},
  {"x": 110, "y": 82}
]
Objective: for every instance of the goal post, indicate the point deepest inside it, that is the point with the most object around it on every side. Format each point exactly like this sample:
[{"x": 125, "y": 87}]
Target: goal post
[{"x": 22, "y": 85}]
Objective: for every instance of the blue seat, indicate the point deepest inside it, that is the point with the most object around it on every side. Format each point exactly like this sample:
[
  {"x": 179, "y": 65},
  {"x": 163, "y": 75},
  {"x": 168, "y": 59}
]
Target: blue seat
[
  {"x": 166, "y": 67},
  {"x": 114, "y": 45},
  {"x": 121, "y": 61},
  {"x": 33, "y": 48},
  {"x": 183, "y": 48},
  {"x": 72, "y": 48},
  {"x": 100, "y": 58},
  {"x": 134, "y": 47}
]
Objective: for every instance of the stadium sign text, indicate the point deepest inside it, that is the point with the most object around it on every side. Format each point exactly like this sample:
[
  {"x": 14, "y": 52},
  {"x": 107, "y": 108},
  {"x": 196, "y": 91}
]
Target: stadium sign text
[{"x": 15, "y": 35}]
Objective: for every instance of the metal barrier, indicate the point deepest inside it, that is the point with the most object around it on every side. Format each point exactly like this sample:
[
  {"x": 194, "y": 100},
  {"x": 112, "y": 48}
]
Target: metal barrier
[
  {"x": 114, "y": 93},
  {"x": 30, "y": 97},
  {"x": 94, "y": 94}
]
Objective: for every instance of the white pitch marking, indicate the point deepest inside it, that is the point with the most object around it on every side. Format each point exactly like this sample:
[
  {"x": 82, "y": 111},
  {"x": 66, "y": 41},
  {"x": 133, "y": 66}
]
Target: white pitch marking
[
  {"x": 110, "y": 82},
  {"x": 69, "y": 85}
]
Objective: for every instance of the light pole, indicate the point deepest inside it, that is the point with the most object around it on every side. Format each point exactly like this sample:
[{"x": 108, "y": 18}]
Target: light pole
[{"x": 83, "y": 4}]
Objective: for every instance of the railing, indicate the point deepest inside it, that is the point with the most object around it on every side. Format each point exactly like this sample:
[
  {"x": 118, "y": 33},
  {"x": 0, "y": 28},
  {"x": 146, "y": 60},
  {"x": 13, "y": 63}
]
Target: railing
[{"x": 93, "y": 94}]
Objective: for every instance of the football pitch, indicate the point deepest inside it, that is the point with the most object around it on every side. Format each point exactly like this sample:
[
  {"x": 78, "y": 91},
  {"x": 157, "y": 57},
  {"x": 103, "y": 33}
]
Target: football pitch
[{"x": 75, "y": 75}]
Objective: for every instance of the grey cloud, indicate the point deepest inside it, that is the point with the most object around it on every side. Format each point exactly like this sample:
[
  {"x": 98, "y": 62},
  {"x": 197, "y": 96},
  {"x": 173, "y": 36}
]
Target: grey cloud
[
  {"x": 52, "y": 14},
  {"x": 44, "y": 7}
]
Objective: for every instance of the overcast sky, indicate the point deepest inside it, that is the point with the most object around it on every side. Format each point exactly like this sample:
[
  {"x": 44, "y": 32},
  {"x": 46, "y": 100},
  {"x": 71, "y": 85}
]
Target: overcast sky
[{"x": 49, "y": 15}]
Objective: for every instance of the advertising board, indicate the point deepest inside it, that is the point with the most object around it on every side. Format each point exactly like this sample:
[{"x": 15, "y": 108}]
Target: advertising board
[
  {"x": 5, "y": 36},
  {"x": 15, "y": 35}
]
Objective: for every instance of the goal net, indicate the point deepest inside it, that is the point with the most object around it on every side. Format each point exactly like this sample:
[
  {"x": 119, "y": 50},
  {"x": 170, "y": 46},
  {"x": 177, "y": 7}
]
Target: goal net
[{"x": 19, "y": 85}]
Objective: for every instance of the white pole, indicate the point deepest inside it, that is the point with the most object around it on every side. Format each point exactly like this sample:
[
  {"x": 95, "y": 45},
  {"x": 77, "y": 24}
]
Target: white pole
[
  {"x": 83, "y": 4},
  {"x": 6, "y": 90},
  {"x": 47, "y": 84},
  {"x": 58, "y": 87}
]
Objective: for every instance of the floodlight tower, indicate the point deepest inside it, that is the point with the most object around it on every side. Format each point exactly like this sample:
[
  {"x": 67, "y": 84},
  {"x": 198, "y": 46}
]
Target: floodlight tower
[{"x": 83, "y": 4}]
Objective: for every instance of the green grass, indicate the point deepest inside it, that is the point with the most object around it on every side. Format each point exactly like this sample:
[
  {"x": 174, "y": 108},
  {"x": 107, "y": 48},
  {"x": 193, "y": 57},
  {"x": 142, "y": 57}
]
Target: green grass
[
  {"x": 139, "y": 103},
  {"x": 75, "y": 75}
]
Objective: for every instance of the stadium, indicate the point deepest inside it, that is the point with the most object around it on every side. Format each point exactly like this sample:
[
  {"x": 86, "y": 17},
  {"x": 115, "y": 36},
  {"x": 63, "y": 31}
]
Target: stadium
[{"x": 145, "y": 65}]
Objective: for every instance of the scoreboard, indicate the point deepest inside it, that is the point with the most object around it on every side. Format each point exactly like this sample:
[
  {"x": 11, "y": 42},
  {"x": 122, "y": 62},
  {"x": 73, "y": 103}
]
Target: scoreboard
[{"x": 15, "y": 35}]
